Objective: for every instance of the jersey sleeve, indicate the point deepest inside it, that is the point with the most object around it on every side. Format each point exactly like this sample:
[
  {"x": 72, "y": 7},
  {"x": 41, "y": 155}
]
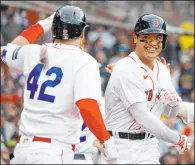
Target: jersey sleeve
[
  {"x": 13, "y": 57},
  {"x": 16, "y": 56},
  {"x": 130, "y": 87},
  {"x": 87, "y": 82},
  {"x": 167, "y": 84}
]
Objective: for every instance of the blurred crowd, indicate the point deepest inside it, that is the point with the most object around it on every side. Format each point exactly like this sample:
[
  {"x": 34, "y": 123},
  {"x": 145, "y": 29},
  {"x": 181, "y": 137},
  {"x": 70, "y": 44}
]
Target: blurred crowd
[
  {"x": 106, "y": 45},
  {"x": 173, "y": 12}
]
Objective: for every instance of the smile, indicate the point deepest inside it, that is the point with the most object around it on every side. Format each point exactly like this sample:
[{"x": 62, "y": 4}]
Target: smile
[{"x": 151, "y": 49}]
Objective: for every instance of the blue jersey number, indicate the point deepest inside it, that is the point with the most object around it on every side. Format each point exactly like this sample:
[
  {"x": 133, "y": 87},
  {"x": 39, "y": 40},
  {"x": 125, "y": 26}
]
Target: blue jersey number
[
  {"x": 83, "y": 127},
  {"x": 83, "y": 138},
  {"x": 33, "y": 79}
]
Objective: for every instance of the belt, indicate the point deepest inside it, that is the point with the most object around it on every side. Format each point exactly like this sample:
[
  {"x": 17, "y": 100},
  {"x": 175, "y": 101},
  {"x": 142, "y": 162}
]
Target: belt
[
  {"x": 36, "y": 138},
  {"x": 132, "y": 136},
  {"x": 11, "y": 156},
  {"x": 79, "y": 157},
  {"x": 76, "y": 156},
  {"x": 43, "y": 139}
]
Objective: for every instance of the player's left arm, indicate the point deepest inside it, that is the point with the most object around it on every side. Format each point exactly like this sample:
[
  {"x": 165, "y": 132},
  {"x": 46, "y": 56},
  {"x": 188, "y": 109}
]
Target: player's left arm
[
  {"x": 181, "y": 109},
  {"x": 186, "y": 112},
  {"x": 174, "y": 106}
]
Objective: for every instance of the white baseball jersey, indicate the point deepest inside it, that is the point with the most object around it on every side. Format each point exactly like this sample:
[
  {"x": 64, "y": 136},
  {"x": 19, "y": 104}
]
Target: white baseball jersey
[
  {"x": 52, "y": 90},
  {"x": 132, "y": 82}
]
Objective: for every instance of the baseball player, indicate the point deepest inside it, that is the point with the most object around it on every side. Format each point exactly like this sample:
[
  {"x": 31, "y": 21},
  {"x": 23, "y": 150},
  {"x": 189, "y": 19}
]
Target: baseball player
[
  {"x": 186, "y": 109},
  {"x": 62, "y": 90},
  {"x": 139, "y": 91}
]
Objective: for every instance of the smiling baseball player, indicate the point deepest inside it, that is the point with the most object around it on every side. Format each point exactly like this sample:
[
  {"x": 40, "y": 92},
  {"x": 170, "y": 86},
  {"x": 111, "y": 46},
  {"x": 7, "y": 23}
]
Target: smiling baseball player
[
  {"x": 139, "y": 91},
  {"x": 59, "y": 94},
  {"x": 185, "y": 110}
]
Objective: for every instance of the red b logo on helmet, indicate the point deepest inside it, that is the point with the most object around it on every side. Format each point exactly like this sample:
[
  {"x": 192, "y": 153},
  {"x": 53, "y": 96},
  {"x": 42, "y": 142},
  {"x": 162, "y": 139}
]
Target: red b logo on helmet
[
  {"x": 65, "y": 31},
  {"x": 155, "y": 23},
  {"x": 65, "y": 34}
]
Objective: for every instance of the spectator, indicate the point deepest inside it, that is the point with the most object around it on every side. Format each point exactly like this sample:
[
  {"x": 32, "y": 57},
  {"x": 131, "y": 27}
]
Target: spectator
[
  {"x": 17, "y": 17},
  {"x": 122, "y": 38},
  {"x": 5, "y": 155},
  {"x": 186, "y": 79},
  {"x": 96, "y": 46},
  {"x": 107, "y": 38},
  {"x": 121, "y": 53},
  {"x": 171, "y": 157},
  {"x": 172, "y": 51},
  {"x": 10, "y": 30},
  {"x": 6, "y": 14},
  {"x": 2, "y": 40},
  {"x": 102, "y": 60}
]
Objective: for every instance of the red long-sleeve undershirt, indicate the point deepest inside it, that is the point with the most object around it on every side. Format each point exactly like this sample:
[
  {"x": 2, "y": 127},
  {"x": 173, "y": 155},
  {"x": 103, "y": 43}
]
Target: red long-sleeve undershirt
[
  {"x": 33, "y": 33},
  {"x": 92, "y": 117}
]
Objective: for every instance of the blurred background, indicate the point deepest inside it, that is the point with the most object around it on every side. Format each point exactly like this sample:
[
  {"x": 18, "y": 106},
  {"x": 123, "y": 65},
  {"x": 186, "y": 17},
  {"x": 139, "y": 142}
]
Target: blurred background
[{"x": 108, "y": 39}]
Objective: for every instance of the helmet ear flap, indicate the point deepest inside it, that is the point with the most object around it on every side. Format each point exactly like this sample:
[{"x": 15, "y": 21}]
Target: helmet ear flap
[
  {"x": 165, "y": 39},
  {"x": 76, "y": 31}
]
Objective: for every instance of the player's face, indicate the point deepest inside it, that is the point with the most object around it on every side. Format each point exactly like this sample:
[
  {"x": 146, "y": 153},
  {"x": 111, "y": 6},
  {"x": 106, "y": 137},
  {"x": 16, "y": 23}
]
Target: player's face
[{"x": 149, "y": 45}]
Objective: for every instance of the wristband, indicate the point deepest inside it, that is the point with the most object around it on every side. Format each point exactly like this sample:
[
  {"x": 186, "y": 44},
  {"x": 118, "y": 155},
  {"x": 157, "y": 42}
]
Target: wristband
[{"x": 33, "y": 33}]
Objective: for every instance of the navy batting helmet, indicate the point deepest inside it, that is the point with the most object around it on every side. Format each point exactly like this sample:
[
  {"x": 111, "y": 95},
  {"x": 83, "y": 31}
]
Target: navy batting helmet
[
  {"x": 68, "y": 23},
  {"x": 151, "y": 23}
]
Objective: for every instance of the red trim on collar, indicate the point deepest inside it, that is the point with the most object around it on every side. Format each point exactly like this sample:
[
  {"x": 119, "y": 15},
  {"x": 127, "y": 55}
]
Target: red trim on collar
[
  {"x": 152, "y": 67},
  {"x": 144, "y": 69},
  {"x": 132, "y": 58}
]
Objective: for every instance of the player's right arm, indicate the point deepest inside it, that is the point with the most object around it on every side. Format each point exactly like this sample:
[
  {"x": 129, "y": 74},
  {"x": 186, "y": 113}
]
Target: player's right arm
[
  {"x": 87, "y": 94},
  {"x": 34, "y": 32},
  {"x": 28, "y": 36},
  {"x": 87, "y": 91},
  {"x": 14, "y": 54},
  {"x": 133, "y": 96},
  {"x": 153, "y": 125}
]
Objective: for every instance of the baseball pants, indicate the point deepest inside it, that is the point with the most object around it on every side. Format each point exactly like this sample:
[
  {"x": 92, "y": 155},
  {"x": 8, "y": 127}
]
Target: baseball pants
[
  {"x": 28, "y": 151},
  {"x": 145, "y": 151}
]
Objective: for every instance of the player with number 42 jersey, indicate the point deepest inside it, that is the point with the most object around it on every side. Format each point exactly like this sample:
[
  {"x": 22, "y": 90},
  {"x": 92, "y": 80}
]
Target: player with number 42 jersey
[{"x": 62, "y": 90}]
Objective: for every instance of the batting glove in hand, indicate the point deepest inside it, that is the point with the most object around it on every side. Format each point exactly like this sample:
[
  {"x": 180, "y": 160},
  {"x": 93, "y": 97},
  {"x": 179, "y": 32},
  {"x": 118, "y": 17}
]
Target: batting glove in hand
[
  {"x": 183, "y": 144},
  {"x": 110, "y": 153},
  {"x": 47, "y": 23},
  {"x": 169, "y": 97}
]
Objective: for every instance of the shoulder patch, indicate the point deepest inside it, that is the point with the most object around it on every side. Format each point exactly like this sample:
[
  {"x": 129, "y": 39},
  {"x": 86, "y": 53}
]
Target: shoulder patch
[{"x": 15, "y": 53}]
